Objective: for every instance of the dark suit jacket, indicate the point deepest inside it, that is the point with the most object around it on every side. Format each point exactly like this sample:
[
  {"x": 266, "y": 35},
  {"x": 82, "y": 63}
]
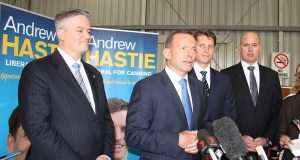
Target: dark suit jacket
[
  {"x": 56, "y": 115},
  {"x": 260, "y": 120},
  {"x": 156, "y": 116},
  {"x": 289, "y": 111},
  {"x": 221, "y": 100}
]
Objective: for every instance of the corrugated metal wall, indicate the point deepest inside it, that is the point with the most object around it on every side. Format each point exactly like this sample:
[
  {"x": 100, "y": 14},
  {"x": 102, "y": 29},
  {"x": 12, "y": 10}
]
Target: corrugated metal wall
[{"x": 194, "y": 12}]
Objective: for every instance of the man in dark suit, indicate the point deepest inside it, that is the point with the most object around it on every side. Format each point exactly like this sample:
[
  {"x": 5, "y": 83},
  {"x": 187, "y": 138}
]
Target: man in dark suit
[
  {"x": 257, "y": 93},
  {"x": 164, "y": 114},
  {"x": 218, "y": 86},
  {"x": 62, "y": 98}
]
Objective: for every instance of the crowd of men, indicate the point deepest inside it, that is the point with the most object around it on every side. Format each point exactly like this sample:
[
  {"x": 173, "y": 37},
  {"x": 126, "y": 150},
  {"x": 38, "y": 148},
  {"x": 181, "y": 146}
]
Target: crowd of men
[{"x": 65, "y": 113}]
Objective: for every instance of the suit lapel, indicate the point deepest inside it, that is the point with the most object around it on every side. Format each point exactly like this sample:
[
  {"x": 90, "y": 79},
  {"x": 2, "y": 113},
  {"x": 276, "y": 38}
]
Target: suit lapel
[
  {"x": 193, "y": 73},
  {"x": 196, "y": 101},
  {"x": 262, "y": 82},
  {"x": 92, "y": 79},
  {"x": 213, "y": 85},
  {"x": 64, "y": 71},
  {"x": 67, "y": 75},
  {"x": 171, "y": 93},
  {"x": 244, "y": 84}
]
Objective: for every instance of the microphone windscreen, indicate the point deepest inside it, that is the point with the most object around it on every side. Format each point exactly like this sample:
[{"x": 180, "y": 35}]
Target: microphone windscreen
[{"x": 229, "y": 137}]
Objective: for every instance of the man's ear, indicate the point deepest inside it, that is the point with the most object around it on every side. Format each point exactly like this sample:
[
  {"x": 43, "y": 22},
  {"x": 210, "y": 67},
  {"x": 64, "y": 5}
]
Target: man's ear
[
  {"x": 10, "y": 143},
  {"x": 60, "y": 34},
  {"x": 167, "y": 53}
]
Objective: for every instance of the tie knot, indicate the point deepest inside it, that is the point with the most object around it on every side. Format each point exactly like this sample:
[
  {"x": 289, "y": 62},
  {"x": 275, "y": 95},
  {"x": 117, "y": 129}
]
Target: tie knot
[
  {"x": 203, "y": 73},
  {"x": 76, "y": 66},
  {"x": 251, "y": 68},
  {"x": 182, "y": 82}
]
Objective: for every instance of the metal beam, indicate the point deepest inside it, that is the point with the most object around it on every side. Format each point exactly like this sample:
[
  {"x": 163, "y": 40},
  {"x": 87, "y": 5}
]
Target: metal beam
[{"x": 211, "y": 27}]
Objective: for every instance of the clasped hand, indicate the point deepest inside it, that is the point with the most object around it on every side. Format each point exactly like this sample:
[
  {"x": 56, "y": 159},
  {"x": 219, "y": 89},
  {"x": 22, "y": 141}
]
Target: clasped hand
[{"x": 188, "y": 141}]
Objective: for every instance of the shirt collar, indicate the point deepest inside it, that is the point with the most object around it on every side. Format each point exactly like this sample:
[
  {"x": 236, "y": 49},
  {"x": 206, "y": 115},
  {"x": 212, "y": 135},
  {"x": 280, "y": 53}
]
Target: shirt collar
[
  {"x": 198, "y": 69},
  {"x": 246, "y": 65},
  {"x": 174, "y": 76},
  {"x": 68, "y": 59}
]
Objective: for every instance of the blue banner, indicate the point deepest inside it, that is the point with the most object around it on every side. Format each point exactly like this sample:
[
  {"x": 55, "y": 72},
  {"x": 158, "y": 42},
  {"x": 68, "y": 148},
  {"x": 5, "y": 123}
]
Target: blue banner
[
  {"x": 24, "y": 36},
  {"x": 122, "y": 57}
]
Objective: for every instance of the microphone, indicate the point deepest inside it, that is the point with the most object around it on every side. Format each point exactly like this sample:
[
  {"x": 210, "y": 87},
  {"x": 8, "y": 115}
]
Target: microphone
[
  {"x": 229, "y": 138},
  {"x": 296, "y": 122},
  {"x": 261, "y": 153},
  {"x": 11, "y": 155},
  {"x": 206, "y": 143}
]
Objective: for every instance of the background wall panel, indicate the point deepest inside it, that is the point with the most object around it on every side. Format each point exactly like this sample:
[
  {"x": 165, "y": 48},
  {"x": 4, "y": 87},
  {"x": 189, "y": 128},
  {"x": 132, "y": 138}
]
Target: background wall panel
[{"x": 164, "y": 16}]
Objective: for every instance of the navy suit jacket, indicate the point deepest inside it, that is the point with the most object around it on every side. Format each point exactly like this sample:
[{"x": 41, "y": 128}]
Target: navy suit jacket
[
  {"x": 221, "y": 100},
  {"x": 156, "y": 116},
  {"x": 56, "y": 115},
  {"x": 260, "y": 120}
]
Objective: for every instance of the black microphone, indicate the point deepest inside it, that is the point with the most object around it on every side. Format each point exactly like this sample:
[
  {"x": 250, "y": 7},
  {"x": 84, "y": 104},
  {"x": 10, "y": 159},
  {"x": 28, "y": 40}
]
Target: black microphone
[
  {"x": 229, "y": 138},
  {"x": 13, "y": 154},
  {"x": 206, "y": 143}
]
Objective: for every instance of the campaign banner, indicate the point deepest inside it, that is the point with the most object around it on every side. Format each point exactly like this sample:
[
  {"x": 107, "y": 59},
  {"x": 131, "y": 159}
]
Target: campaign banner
[
  {"x": 24, "y": 36},
  {"x": 123, "y": 58}
]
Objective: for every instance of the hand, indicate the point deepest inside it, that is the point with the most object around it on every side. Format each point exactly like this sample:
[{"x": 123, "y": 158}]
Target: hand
[
  {"x": 249, "y": 141},
  {"x": 285, "y": 141},
  {"x": 188, "y": 141},
  {"x": 102, "y": 157},
  {"x": 192, "y": 148},
  {"x": 260, "y": 141}
]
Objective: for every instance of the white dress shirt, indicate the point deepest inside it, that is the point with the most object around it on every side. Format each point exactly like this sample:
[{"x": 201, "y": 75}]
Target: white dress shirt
[
  {"x": 247, "y": 73},
  {"x": 198, "y": 69},
  {"x": 175, "y": 78},
  {"x": 70, "y": 61}
]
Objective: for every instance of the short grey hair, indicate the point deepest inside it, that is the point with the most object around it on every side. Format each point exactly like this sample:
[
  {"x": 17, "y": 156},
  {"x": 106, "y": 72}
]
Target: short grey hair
[{"x": 60, "y": 17}]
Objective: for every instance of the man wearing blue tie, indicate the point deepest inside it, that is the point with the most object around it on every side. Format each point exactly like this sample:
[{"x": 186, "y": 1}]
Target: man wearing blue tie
[
  {"x": 64, "y": 108},
  {"x": 167, "y": 109}
]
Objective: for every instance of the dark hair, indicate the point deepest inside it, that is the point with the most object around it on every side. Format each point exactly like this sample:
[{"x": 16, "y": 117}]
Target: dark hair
[
  {"x": 59, "y": 18},
  {"x": 209, "y": 34},
  {"x": 116, "y": 104},
  {"x": 170, "y": 38},
  {"x": 14, "y": 121}
]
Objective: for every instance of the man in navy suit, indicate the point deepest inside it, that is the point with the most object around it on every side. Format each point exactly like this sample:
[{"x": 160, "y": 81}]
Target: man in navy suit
[
  {"x": 257, "y": 93},
  {"x": 219, "y": 90},
  {"x": 158, "y": 122},
  {"x": 64, "y": 108}
]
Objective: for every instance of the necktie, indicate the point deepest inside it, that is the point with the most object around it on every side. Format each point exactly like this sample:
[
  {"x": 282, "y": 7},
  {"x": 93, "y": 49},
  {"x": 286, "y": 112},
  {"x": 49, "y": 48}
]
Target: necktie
[
  {"x": 253, "y": 85},
  {"x": 205, "y": 83},
  {"x": 79, "y": 79},
  {"x": 186, "y": 102}
]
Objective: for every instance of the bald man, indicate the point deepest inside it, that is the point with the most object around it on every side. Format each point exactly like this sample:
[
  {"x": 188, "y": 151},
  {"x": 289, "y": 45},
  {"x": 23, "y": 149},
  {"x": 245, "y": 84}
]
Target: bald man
[{"x": 257, "y": 94}]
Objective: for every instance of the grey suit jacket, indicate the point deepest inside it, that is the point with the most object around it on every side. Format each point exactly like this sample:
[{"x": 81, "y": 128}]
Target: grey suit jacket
[{"x": 57, "y": 116}]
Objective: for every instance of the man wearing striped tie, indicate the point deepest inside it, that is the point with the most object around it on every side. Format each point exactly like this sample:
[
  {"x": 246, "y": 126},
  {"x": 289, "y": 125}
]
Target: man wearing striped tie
[
  {"x": 64, "y": 108},
  {"x": 217, "y": 85}
]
